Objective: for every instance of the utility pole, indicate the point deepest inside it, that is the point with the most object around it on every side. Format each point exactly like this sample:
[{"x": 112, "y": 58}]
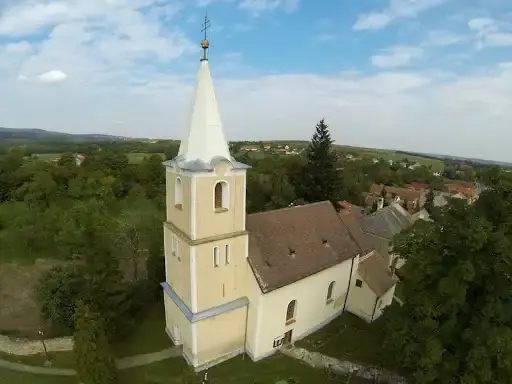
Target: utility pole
[{"x": 48, "y": 362}]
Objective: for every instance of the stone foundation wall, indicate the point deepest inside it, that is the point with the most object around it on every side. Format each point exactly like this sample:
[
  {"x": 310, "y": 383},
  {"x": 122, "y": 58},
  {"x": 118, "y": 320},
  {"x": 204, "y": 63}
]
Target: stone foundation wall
[
  {"x": 23, "y": 347},
  {"x": 317, "y": 360}
]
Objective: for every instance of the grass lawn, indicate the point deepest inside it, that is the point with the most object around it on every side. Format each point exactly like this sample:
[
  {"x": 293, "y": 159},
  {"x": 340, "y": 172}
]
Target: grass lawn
[
  {"x": 148, "y": 336},
  {"x": 350, "y": 338},
  {"x": 137, "y": 158},
  {"x": 12, "y": 377},
  {"x": 47, "y": 156},
  {"x": 58, "y": 359},
  {"x": 235, "y": 371},
  {"x": 175, "y": 371}
]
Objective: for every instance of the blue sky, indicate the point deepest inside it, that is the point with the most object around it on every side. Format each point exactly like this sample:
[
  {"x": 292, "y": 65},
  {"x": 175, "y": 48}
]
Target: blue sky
[{"x": 423, "y": 75}]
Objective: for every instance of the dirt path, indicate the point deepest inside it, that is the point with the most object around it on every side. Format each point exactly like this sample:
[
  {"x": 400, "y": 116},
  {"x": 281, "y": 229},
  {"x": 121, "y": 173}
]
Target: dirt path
[{"x": 124, "y": 363}]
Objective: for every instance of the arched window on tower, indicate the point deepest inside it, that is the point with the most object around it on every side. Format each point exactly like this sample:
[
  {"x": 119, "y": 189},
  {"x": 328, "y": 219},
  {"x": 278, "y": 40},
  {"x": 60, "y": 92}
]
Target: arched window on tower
[
  {"x": 330, "y": 291},
  {"x": 290, "y": 312},
  {"x": 221, "y": 196},
  {"x": 178, "y": 194}
]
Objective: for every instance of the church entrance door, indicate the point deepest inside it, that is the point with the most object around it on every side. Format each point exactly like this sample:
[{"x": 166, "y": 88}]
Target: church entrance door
[
  {"x": 288, "y": 337},
  {"x": 177, "y": 335}
]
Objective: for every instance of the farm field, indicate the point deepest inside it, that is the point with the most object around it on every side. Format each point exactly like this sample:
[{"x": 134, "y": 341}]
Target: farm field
[
  {"x": 137, "y": 158},
  {"x": 133, "y": 157},
  {"x": 386, "y": 154}
]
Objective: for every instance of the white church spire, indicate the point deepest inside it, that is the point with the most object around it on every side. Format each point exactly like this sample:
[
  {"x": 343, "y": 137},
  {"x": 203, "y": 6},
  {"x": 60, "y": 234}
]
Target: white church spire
[{"x": 205, "y": 139}]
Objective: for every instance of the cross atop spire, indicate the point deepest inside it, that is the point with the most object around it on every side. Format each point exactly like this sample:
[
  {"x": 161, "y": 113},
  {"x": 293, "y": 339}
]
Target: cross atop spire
[{"x": 205, "y": 44}]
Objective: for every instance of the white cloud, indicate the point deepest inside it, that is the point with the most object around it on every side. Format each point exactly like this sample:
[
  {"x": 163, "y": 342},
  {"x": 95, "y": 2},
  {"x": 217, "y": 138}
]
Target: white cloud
[
  {"x": 390, "y": 109},
  {"x": 397, "y": 9},
  {"x": 94, "y": 40},
  {"x": 52, "y": 77},
  {"x": 19, "y": 47},
  {"x": 442, "y": 38},
  {"x": 490, "y": 32},
  {"x": 397, "y": 56},
  {"x": 109, "y": 55},
  {"x": 259, "y": 6},
  {"x": 499, "y": 39}
]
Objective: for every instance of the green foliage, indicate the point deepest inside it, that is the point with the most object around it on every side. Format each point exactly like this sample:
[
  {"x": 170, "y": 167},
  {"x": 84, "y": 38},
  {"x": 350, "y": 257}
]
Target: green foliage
[
  {"x": 98, "y": 282},
  {"x": 107, "y": 293},
  {"x": 94, "y": 360},
  {"x": 322, "y": 179},
  {"x": 58, "y": 292},
  {"x": 456, "y": 323},
  {"x": 429, "y": 203},
  {"x": 270, "y": 183}
]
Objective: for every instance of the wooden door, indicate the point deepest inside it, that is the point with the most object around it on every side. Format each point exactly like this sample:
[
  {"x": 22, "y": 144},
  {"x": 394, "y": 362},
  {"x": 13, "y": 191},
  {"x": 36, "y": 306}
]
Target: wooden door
[{"x": 288, "y": 337}]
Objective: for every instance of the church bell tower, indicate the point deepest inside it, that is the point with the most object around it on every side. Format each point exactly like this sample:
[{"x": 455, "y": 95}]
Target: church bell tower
[{"x": 205, "y": 238}]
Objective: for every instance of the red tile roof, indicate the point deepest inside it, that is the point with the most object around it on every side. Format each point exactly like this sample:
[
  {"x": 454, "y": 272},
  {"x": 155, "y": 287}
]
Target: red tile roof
[
  {"x": 417, "y": 185},
  {"x": 291, "y": 244}
]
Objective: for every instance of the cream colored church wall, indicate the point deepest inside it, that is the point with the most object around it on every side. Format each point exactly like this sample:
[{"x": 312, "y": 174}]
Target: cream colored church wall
[
  {"x": 385, "y": 300},
  {"x": 255, "y": 312},
  {"x": 181, "y": 218},
  {"x": 361, "y": 300},
  {"x": 226, "y": 282},
  {"x": 211, "y": 222},
  {"x": 312, "y": 309},
  {"x": 177, "y": 267},
  {"x": 364, "y": 303},
  {"x": 175, "y": 321},
  {"x": 221, "y": 335}
]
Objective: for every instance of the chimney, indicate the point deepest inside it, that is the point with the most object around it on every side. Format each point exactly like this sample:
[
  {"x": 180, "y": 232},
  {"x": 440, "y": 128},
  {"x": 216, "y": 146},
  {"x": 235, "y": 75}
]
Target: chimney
[{"x": 380, "y": 203}]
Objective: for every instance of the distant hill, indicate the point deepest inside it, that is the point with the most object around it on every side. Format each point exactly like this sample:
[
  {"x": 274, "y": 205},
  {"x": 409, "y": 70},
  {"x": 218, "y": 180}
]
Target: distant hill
[
  {"x": 503, "y": 164},
  {"x": 16, "y": 135}
]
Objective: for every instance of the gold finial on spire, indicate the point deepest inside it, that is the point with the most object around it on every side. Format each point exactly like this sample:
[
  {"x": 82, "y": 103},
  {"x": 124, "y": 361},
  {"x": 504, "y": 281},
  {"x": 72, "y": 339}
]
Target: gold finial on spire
[{"x": 205, "y": 44}]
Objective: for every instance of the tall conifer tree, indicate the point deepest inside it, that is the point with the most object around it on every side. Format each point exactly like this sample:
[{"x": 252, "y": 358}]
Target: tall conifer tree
[
  {"x": 94, "y": 361},
  {"x": 322, "y": 180}
]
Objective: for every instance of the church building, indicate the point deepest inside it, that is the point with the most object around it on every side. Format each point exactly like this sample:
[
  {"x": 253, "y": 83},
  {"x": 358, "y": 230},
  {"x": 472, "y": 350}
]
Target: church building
[{"x": 238, "y": 283}]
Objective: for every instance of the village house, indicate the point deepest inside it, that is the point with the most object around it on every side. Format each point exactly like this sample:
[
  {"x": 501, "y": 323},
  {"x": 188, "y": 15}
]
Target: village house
[
  {"x": 381, "y": 226},
  {"x": 251, "y": 148},
  {"x": 413, "y": 199},
  {"x": 238, "y": 283},
  {"x": 462, "y": 189}
]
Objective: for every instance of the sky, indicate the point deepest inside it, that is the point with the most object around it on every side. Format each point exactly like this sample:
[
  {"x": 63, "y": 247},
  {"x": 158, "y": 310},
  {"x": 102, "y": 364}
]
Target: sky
[{"x": 422, "y": 75}]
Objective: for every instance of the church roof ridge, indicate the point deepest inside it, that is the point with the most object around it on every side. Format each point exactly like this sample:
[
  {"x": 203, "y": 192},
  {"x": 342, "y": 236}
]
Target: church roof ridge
[{"x": 288, "y": 208}]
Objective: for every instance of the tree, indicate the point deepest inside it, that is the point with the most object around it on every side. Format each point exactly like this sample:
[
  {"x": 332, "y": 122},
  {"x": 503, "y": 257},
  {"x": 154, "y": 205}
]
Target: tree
[
  {"x": 94, "y": 361},
  {"x": 67, "y": 160},
  {"x": 406, "y": 203},
  {"x": 107, "y": 292},
  {"x": 456, "y": 324},
  {"x": 58, "y": 292},
  {"x": 138, "y": 230},
  {"x": 322, "y": 180},
  {"x": 429, "y": 203},
  {"x": 152, "y": 176},
  {"x": 41, "y": 191}
]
